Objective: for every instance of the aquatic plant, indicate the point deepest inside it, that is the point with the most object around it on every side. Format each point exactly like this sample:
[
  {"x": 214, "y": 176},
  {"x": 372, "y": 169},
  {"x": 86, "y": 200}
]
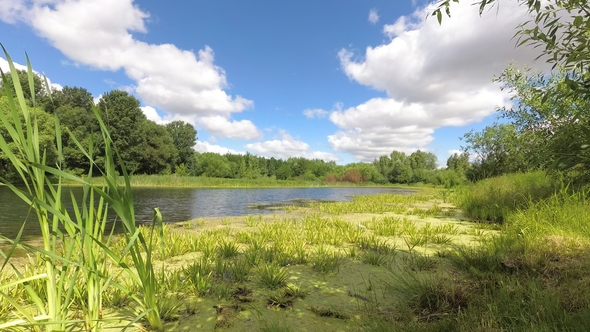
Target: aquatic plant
[{"x": 272, "y": 276}]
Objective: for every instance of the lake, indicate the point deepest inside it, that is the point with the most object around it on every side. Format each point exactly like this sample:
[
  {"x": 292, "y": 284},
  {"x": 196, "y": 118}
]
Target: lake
[{"x": 181, "y": 204}]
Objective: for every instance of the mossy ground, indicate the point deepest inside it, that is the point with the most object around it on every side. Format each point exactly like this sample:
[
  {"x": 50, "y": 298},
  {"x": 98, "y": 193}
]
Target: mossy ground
[{"x": 379, "y": 263}]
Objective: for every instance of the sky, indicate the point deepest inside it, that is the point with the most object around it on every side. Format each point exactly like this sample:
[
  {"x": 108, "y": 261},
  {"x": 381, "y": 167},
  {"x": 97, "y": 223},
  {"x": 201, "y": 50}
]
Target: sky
[{"x": 346, "y": 81}]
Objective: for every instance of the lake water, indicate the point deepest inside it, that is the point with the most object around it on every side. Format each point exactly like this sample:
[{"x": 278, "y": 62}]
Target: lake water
[{"x": 181, "y": 204}]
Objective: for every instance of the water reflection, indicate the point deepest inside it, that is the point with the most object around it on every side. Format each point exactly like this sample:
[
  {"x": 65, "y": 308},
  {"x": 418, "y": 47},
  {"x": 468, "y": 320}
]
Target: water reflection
[{"x": 180, "y": 204}]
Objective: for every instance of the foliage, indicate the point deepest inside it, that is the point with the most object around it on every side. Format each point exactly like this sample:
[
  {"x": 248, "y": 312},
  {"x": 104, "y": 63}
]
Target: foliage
[
  {"x": 498, "y": 149},
  {"x": 496, "y": 198},
  {"x": 400, "y": 168},
  {"x": 553, "y": 123},
  {"x": 184, "y": 137}
]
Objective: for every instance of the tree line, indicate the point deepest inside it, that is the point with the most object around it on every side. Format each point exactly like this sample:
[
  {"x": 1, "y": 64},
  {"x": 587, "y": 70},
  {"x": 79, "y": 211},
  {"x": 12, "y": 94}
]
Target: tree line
[{"x": 541, "y": 131}]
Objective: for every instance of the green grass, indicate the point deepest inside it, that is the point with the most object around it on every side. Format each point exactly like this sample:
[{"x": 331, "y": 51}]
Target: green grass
[{"x": 493, "y": 199}]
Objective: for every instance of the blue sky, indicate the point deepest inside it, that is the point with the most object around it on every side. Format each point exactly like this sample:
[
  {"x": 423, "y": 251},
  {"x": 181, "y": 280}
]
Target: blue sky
[{"x": 336, "y": 80}]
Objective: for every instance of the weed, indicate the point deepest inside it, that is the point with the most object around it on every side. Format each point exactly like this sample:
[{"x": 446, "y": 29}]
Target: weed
[
  {"x": 374, "y": 258},
  {"x": 296, "y": 291},
  {"x": 279, "y": 299},
  {"x": 240, "y": 269},
  {"x": 228, "y": 249},
  {"x": 169, "y": 307},
  {"x": 272, "y": 276},
  {"x": 324, "y": 260}
]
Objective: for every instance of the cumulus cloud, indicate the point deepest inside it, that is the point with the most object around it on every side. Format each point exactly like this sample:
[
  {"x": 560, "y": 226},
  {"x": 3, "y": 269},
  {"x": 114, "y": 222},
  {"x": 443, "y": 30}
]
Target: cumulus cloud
[
  {"x": 434, "y": 76},
  {"x": 454, "y": 151},
  {"x": 287, "y": 147},
  {"x": 373, "y": 16},
  {"x": 99, "y": 34},
  {"x": 207, "y": 147},
  {"x": 243, "y": 129},
  {"x": 151, "y": 114},
  {"x": 315, "y": 113}
]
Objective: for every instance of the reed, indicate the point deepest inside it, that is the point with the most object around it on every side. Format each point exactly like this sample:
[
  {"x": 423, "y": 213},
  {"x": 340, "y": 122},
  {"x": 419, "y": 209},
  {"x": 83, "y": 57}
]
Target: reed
[{"x": 75, "y": 245}]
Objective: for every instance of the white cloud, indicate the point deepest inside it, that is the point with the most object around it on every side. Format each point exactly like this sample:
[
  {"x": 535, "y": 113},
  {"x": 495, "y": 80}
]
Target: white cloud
[
  {"x": 373, "y": 16},
  {"x": 286, "y": 147},
  {"x": 151, "y": 114},
  {"x": 99, "y": 33},
  {"x": 434, "y": 76},
  {"x": 97, "y": 99},
  {"x": 207, "y": 147},
  {"x": 315, "y": 113},
  {"x": 221, "y": 126},
  {"x": 454, "y": 151}
]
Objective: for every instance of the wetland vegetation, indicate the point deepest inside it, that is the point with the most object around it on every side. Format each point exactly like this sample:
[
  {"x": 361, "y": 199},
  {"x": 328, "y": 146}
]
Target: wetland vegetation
[{"x": 508, "y": 252}]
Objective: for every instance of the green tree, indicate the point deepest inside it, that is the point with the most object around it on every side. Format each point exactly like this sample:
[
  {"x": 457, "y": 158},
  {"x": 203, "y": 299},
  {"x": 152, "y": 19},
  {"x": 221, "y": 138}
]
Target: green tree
[
  {"x": 559, "y": 29},
  {"x": 422, "y": 160},
  {"x": 184, "y": 137},
  {"x": 459, "y": 162},
  {"x": 554, "y": 121},
  {"x": 82, "y": 124},
  {"x": 284, "y": 172},
  {"x": 125, "y": 122},
  {"x": 498, "y": 149},
  {"x": 158, "y": 151},
  {"x": 70, "y": 96},
  {"x": 23, "y": 78}
]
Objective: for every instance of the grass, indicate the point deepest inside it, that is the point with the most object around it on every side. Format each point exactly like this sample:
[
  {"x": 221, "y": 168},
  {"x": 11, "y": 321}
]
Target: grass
[
  {"x": 272, "y": 276},
  {"x": 493, "y": 199}
]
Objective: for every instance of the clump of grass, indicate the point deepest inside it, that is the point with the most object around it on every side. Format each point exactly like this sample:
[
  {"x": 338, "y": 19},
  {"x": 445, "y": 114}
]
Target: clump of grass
[
  {"x": 279, "y": 299},
  {"x": 240, "y": 269},
  {"x": 228, "y": 249},
  {"x": 272, "y": 276},
  {"x": 296, "y": 291},
  {"x": 495, "y": 198},
  {"x": 252, "y": 221},
  {"x": 324, "y": 260},
  {"x": 169, "y": 307},
  {"x": 200, "y": 276},
  {"x": 374, "y": 258}
]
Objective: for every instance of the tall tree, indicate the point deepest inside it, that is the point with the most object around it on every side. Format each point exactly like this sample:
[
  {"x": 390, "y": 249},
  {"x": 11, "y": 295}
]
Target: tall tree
[
  {"x": 158, "y": 152},
  {"x": 71, "y": 96},
  {"x": 125, "y": 122},
  {"x": 184, "y": 138}
]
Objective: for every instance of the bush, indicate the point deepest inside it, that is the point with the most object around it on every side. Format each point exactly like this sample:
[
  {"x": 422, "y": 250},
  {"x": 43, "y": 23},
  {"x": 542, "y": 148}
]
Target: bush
[{"x": 495, "y": 198}]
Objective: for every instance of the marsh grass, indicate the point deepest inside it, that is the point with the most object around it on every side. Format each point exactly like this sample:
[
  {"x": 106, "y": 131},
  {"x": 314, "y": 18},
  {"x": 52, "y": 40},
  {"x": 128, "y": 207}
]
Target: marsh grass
[
  {"x": 272, "y": 276},
  {"x": 324, "y": 260},
  {"x": 75, "y": 245},
  {"x": 494, "y": 199}
]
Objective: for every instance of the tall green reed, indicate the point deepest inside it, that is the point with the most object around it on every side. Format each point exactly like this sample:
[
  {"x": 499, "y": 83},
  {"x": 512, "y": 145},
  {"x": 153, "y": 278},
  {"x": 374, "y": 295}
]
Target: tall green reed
[{"x": 81, "y": 238}]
